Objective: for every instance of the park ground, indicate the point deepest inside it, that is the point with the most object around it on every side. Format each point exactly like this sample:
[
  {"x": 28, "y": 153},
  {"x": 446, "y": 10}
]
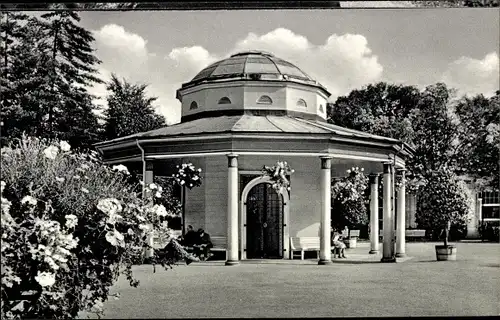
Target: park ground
[{"x": 359, "y": 286}]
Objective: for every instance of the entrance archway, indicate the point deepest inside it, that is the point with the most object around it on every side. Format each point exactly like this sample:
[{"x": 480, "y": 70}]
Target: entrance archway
[{"x": 264, "y": 221}]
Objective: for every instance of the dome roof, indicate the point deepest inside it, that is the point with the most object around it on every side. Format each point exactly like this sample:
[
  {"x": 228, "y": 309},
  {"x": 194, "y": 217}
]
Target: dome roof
[{"x": 252, "y": 65}]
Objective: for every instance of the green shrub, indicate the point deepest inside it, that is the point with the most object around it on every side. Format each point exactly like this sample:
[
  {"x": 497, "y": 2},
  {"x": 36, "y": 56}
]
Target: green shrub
[
  {"x": 443, "y": 199},
  {"x": 70, "y": 227}
]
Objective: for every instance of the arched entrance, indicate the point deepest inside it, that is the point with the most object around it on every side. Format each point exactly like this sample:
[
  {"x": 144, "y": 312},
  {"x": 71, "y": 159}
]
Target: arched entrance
[
  {"x": 264, "y": 237},
  {"x": 264, "y": 221}
]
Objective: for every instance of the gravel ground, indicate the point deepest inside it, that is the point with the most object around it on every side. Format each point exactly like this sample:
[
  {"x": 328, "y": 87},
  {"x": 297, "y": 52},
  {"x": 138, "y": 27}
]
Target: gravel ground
[{"x": 420, "y": 286}]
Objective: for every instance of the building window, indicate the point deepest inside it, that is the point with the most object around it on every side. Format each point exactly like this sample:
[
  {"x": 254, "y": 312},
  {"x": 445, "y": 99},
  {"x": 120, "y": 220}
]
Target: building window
[
  {"x": 321, "y": 108},
  {"x": 224, "y": 100},
  {"x": 193, "y": 105},
  {"x": 265, "y": 100},
  {"x": 490, "y": 204},
  {"x": 490, "y": 197},
  {"x": 301, "y": 103}
]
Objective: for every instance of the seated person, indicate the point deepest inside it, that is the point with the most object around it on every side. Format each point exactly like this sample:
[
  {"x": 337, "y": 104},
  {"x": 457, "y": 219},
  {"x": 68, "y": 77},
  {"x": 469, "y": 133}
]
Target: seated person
[
  {"x": 203, "y": 244},
  {"x": 190, "y": 237},
  {"x": 338, "y": 245}
]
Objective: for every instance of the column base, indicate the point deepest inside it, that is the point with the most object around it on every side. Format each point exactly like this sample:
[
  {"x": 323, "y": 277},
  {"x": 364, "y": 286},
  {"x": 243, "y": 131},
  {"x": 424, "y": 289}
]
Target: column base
[
  {"x": 232, "y": 262},
  {"x": 374, "y": 251},
  {"x": 324, "y": 262},
  {"x": 392, "y": 259},
  {"x": 400, "y": 255}
]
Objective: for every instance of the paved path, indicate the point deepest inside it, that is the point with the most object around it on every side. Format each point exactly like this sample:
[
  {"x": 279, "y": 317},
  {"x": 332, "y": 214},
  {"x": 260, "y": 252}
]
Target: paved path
[{"x": 358, "y": 287}]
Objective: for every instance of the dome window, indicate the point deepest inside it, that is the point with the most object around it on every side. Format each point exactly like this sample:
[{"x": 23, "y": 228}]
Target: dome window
[
  {"x": 193, "y": 105},
  {"x": 321, "y": 108},
  {"x": 265, "y": 100},
  {"x": 224, "y": 100},
  {"x": 301, "y": 103}
]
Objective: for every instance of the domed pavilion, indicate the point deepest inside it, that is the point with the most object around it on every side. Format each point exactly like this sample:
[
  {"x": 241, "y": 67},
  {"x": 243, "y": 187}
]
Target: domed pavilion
[{"x": 254, "y": 109}]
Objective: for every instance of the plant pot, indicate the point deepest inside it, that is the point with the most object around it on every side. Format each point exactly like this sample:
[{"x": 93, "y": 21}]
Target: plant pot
[
  {"x": 445, "y": 253},
  {"x": 350, "y": 243}
]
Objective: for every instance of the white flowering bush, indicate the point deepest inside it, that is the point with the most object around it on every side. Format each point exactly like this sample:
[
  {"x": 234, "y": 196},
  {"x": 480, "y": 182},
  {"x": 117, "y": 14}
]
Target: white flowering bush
[
  {"x": 70, "y": 226},
  {"x": 349, "y": 200},
  {"x": 278, "y": 175},
  {"x": 188, "y": 175}
]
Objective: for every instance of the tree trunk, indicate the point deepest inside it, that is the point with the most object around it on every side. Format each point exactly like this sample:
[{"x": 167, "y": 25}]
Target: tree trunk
[
  {"x": 54, "y": 57},
  {"x": 447, "y": 232},
  {"x": 5, "y": 42}
]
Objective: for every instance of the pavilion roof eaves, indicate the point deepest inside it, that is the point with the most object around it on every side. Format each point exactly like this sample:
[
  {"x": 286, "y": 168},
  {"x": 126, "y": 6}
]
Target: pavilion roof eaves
[{"x": 258, "y": 127}]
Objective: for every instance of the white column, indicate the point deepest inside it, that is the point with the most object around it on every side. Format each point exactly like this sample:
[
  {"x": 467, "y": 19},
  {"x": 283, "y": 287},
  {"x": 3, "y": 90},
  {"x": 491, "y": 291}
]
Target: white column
[
  {"x": 232, "y": 210},
  {"x": 325, "y": 253},
  {"x": 374, "y": 233},
  {"x": 147, "y": 179},
  {"x": 401, "y": 223},
  {"x": 388, "y": 243}
]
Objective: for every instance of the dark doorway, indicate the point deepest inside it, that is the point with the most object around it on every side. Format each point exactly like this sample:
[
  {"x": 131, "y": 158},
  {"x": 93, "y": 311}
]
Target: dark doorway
[{"x": 264, "y": 223}]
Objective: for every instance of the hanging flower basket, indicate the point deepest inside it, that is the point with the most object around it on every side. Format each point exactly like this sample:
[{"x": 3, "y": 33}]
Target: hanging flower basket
[
  {"x": 278, "y": 175},
  {"x": 188, "y": 176}
]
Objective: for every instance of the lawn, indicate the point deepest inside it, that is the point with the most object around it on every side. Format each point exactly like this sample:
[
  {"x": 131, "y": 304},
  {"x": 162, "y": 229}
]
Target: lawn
[{"x": 417, "y": 287}]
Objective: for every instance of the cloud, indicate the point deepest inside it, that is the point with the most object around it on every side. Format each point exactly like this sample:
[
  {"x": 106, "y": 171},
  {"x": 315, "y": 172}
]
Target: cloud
[
  {"x": 341, "y": 63},
  {"x": 115, "y": 36},
  {"x": 120, "y": 50},
  {"x": 193, "y": 58},
  {"x": 472, "y": 76}
]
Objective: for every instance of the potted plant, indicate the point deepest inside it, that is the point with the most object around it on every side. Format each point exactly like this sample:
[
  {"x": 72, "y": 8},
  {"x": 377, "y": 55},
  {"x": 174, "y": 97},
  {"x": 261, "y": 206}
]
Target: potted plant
[
  {"x": 444, "y": 201},
  {"x": 349, "y": 204}
]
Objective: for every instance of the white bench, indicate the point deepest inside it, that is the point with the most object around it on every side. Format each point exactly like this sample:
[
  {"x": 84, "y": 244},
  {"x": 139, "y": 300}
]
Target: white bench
[
  {"x": 219, "y": 243},
  {"x": 411, "y": 234},
  {"x": 303, "y": 244},
  {"x": 415, "y": 234},
  {"x": 354, "y": 234}
]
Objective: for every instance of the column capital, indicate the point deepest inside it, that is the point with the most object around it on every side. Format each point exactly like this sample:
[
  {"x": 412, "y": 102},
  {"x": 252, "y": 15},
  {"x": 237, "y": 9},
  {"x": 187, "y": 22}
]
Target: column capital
[
  {"x": 232, "y": 160},
  {"x": 374, "y": 178},
  {"x": 388, "y": 167},
  {"x": 401, "y": 170},
  {"x": 326, "y": 162}
]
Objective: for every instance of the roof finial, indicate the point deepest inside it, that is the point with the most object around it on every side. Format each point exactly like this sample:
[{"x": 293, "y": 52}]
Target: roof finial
[{"x": 257, "y": 52}]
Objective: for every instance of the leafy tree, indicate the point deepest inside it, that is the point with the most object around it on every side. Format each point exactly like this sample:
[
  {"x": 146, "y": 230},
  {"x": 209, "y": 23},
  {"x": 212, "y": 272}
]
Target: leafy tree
[
  {"x": 349, "y": 196},
  {"x": 479, "y": 130},
  {"x": 444, "y": 203},
  {"x": 383, "y": 109},
  {"x": 435, "y": 132},
  {"x": 72, "y": 67},
  {"x": 13, "y": 52},
  {"x": 49, "y": 65},
  {"x": 129, "y": 110},
  {"x": 380, "y": 108}
]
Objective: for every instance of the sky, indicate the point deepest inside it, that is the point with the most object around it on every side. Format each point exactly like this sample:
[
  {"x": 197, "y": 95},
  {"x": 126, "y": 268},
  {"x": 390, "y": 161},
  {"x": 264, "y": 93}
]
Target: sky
[{"x": 343, "y": 49}]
